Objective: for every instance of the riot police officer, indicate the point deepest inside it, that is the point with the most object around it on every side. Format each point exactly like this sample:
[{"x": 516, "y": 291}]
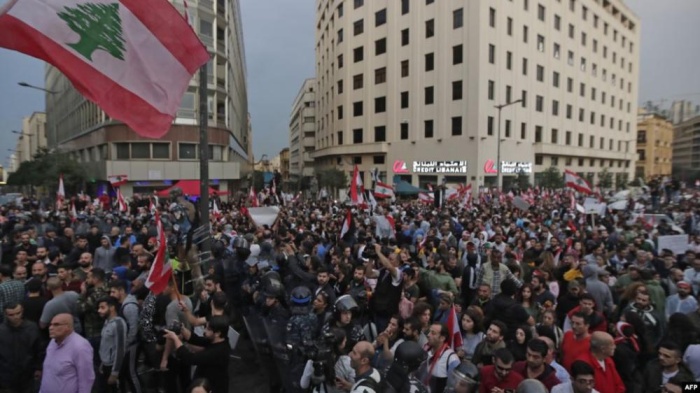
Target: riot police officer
[
  {"x": 344, "y": 311},
  {"x": 399, "y": 377},
  {"x": 463, "y": 379},
  {"x": 301, "y": 332}
]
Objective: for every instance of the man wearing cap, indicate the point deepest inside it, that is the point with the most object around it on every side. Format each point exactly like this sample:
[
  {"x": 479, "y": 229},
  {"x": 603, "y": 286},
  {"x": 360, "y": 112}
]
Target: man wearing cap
[{"x": 682, "y": 301}]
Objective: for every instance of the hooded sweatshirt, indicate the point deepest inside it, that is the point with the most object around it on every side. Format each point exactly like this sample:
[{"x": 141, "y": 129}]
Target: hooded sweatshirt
[
  {"x": 598, "y": 289},
  {"x": 104, "y": 257}
]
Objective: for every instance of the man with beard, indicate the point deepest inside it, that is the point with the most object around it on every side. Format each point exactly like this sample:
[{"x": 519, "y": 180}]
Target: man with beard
[
  {"x": 65, "y": 275},
  {"x": 104, "y": 255},
  {"x": 84, "y": 267},
  {"x": 682, "y": 301},
  {"x": 535, "y": 366},
  {"x": 493, "y": 340},
  {"x": 324, "y": 284},
  {"x": 667, "y": 365},
  {"x": 541, "y": 294},
  {"x": 499, "y": 377},
  {"x": 412, "y": 331},
  {"x": 42, "y": 255},
  {"x": 358, "y": 288},
  {"x": 483, "y": 299},
  {"x": 654, "y": 321},
  {"x": 112, "y": 349},
  {"x": 441, "y": 358},
  {"x": 26, "y": 246},
  {"x": 596, "y": 320},
  {"x": 81, "y": 246},
  {"x": 92, "y": 290}
]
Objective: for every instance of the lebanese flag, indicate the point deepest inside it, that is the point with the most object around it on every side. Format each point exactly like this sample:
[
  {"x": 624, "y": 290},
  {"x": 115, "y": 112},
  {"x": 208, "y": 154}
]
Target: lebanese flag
[
  {"x": 347, "y": 224},
  {"x": 356, "y": 188},
  {"x": 121, "y": 202},
  {"x": 161, "y": 271},
  {"x": 455, "y": 340},
  {"x": 151, "y": 206},
  {"x": 573, "y": 201},
  {"x": 425, "y": 198},
  {"x": 73, "y": 212},
  {"x": 383, "y": 190},
  {"x": 117, "y": 180},
  {"x": 133, "y": 58},
  {"x": 215, "y": 210},
  {"x": 577, "y": 182},
  {"x": 253, "y": 197},
  {"x": 60, "y": 194}
]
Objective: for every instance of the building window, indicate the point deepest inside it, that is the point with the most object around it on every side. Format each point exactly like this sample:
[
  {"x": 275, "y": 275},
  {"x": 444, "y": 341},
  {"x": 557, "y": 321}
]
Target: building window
[
  {"x": 380, "y": 105},
  {"x": 429, "y": 96},
  {"x": 141, "y": 151},
  {"x": 568, "y": 138},
  {"x": 492, "y": 89},
  {"x": 569, "y": 111},
  {"x": 357, "y": 135},
  {"x": 380, "y": 76},
  {"x": 404, "y": 68},
  {"x": 358, "y": 54},
  {"x": 359, "y": 3},
  {"x": 509, "y": 26},
  {"x": 492, "y": 17},
  {"x": 572, "y": 31},
  {"x": 539, "y": 160},
  {"x": 405, "y": 37},
  {"x": 357, "y": 108},
  {"x": 457, "y": 126},
  {"x": 509, "y": 60},
  {"x": 161, "y": 151},
  {"x": 340, "y": 36},
  {"x": 122, "y": 151},
  {"x": 508, "y": 128},
  {"x": 457, "y": 54},
  {"x": 555, "y": 136},
  {"x": 509, "y": 93},
  {"x": 380, "y": 46},
  {"x": 555, "y": 108},
  {"x": 429, "y": 62},
  {"x": 580, "y": 141},
  {"x": 340, "y": 10},
  {"x": 404, "y": 99},
  {"x": 378, "y": 160},
  {"x": 340, "y": 112},
  {"x": 540, "y": 43},
  {"x": 458, "y": 18},
  {"x": 429, "y": 28},
  {"x": 524, "y": 66},
  {"x": 187, "y": 151},
  {"x": 540, "y": 12},
  {"x": 557, "y": 22},
  {"x": 340, "y": 86},
  {"x": 405, "y": 7},
  {"x": 340, "y": 138},
  {"x": 569, "y": 85},
  {"x": 456, "y": 90},
  {"x": 570, "y": 58},
  {"x": 523, "y": 131},
  {"x": 538, "y": 134},
  {"x": 492, "y": 54},
  {"x": 340, "y": 61},
  {"x": 380, "y": 17},
  {"x": 428, "y": 128},
  {"x": 380, "y": 134},
  {"x": 489, "y": 125},
  {"x": 540, "y": 73},
  {"x": 555, "y": 79},
  {"x": 357, "y": 81},
  {"x": 557, "y": 50},
  {"x": 525, "y": 33},
  {"x": 523, "y": 98},
  {"x": 358, "y": 27},
  {"x": 539, "y": 103},
  {"x": 404, "y": 131}
]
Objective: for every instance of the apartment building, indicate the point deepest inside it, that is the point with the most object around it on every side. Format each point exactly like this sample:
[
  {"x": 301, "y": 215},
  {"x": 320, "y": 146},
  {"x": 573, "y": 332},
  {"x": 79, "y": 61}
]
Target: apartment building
[
  {"x": 302, "y": 132},
  {"x": 654, "y": 145},
  {"x": 411, "y": 87},
  {"x": 686, "y": 150}
]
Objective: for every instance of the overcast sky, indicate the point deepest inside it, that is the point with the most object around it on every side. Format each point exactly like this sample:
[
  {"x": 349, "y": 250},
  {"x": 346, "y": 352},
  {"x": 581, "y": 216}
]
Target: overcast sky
[{"x": 279, "y": 44}]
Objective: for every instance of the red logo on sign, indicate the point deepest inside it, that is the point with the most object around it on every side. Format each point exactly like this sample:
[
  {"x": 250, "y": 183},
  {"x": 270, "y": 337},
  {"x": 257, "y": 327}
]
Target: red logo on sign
[
  {"x": 489, "y": 167},
  {"x": 400, "y": 167}
]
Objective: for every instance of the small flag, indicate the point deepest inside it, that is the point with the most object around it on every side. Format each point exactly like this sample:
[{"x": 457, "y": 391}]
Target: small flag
[
  {"x": 356, "y": 188},
  {"x": 161, "y": 271},
  {"x": 215, "y": 210},
  {"x": 347, "y": 224},
  {"x": 455, "y": 340},
  {"x": 121, "y": 202},
  {"x": 383, "y": 190},
  {"x": 576, "y": 182},
  {"x": 253, "y": 197},
  {"x": 117, "y": 180},
  {"x": 60, "y": 194}
]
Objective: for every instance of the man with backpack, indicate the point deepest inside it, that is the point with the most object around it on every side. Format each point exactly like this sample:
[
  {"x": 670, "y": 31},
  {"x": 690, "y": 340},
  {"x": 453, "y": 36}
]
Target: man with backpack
[{"x": 129, "y": 310}]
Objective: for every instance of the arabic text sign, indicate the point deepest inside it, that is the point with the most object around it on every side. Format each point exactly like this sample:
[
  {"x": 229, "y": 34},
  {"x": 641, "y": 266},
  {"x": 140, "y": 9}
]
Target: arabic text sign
[
  {"x": 676, "y": 243},
  {"x": 516, "y": 167},
  {"x": 440, "y": 166}
]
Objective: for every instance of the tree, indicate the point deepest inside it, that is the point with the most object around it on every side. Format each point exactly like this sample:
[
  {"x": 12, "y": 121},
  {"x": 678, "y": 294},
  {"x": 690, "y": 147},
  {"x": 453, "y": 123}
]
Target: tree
[
  {"x": 45, "y": 169},
  {"x": 605, "y": 179},
  {"x": 622, "y": 181},
  {"x": 99, "y": 27},
  {"x": 333, "y": 179},
  {"x": 523, "y": 180},
  {"x": 551, "y": 178}
]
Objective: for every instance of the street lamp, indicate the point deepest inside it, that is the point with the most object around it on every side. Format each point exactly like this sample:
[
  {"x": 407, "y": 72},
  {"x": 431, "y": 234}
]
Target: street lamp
[
  {"x": 50, "y": 92},
  {"x": 499, "y": 181},
  {"x": 25, "y": 84}
]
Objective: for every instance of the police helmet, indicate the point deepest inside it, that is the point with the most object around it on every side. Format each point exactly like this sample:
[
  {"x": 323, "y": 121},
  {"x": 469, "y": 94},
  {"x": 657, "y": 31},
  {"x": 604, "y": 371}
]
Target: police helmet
[
  {"x": 240, "y": 242},
  {"x": 271, "y": 284},
  {"x": 344, "y": 303},
  {"x": 409, "y": 355},
  {"x": 464, "y": 378},
  {"x": 300, "y": 300}
]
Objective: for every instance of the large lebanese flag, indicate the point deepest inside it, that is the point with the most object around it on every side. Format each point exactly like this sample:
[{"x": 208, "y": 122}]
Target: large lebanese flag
[
  {"x": 133, "y": 58},
  {"x": 576, "y": 182},
  {"x": 161, "y": 271}
]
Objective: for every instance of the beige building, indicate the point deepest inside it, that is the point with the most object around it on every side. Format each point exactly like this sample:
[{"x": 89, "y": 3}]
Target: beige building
[
  {"x": 686, "y": 150},
  {"x": 302, "y": 133},
  {"x": 654, "y": 145},
  {"x": 284, "y": 164},
  {"x": 410, "y": 87},
  {"x": 108, "y": 147},
  {"x": 31, "y": 138}
]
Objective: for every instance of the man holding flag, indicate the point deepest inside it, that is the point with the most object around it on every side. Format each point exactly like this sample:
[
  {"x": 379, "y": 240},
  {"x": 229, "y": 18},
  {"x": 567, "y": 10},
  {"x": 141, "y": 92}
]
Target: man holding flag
[{"x": 442, "y": 359}]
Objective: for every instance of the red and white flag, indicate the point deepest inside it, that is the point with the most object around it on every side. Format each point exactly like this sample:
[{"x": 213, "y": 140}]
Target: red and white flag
[
  {"x": 151, "y": 206},
  {"x": 383, "y": 190},
  {"x": 357, "y": 189},
  {"x": 425, "y": 198},
  {"x": 215, "y": 210},
  {"x": 572, "y": 180},
  {"x": 347, "y": 224},
  {"x": 73, "y": 212},
  {"x": 117, "y": 180},
  {"x": 133, "y": 58},
  {"x": 573, "y": 201},
  {"x": 121, "y": 202},
  {"x": 455, "y": 340},
  {"x": 161, "y": 270},
  {"x": 60, "y": 194},
  {"x": 253, "y": 197}
]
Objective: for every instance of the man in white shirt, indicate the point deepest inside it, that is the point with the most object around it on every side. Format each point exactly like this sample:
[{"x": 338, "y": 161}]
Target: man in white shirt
[{"x": 582, "y": 380}]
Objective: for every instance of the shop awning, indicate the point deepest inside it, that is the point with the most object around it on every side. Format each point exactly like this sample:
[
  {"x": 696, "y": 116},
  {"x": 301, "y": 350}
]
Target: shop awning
[{"x": 405, "y": 188}]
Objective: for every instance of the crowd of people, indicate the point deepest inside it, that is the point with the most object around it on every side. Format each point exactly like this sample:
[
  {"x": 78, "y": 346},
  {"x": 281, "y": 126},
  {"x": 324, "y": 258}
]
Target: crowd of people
[{"x": 545, "y": 299}]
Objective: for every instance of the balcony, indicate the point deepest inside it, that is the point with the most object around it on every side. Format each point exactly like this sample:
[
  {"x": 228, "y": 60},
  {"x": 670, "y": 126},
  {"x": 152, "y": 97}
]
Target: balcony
[{"x": 207, "y": 4}]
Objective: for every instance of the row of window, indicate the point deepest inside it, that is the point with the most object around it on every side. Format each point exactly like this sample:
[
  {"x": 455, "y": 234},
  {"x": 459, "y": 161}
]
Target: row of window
[
  {"x": 161, "y": 151},
  {"x": 570, "y": 161},
  {"x": 568, "y": 140}
]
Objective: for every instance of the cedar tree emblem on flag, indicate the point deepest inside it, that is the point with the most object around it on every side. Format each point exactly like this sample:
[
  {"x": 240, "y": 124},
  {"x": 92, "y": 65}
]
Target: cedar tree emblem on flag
[{"x": 99, "y": 27}]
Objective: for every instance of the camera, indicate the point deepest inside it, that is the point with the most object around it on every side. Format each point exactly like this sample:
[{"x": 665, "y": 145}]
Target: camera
[
  {"x": 175, "y": 327},
  {"x": 322, "y": 356}
]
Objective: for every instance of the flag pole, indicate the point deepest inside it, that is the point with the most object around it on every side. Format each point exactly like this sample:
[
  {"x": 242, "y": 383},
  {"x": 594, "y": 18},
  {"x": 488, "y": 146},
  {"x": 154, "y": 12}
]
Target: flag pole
[{"x": 204, "y": 155}]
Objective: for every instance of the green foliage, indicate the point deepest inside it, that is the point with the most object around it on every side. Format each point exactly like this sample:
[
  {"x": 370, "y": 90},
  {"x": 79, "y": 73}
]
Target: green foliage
[
  {"x": 622, "y": 181},
  {"x": 552, "y": 178},
  {"x": 605, "y": 179},
  {"x": 332, "y": 179},
  {"x": 45, "y": 169},
  {"x": 523, "y": 180}
]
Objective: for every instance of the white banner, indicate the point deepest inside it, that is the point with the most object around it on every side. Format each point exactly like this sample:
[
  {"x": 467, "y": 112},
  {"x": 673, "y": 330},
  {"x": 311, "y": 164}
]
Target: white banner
[
  {"x": 676, "y": 243},
  {"x": 264, "y": 215}
]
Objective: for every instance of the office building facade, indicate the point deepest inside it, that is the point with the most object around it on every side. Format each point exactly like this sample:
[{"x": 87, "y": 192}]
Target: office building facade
[
  {"x": 686, "y": 150},
  {"x": 302, "y": 133},
  {"x": 654, "y": 146},
  {"x": 410, "y": 87}
]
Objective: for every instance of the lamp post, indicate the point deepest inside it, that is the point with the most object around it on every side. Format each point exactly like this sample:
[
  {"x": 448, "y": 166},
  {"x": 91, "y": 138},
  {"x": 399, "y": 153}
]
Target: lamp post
[
  {"x": 51, "y": 93},
  {"x": 499, "y": 180}
]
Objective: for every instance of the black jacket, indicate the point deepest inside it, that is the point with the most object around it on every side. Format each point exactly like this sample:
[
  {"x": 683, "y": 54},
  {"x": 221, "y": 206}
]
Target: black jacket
[
  {"x": 21, "y": 352},
  {"x": 652, "y": 376},
  {"x": 211, "y": 362}
]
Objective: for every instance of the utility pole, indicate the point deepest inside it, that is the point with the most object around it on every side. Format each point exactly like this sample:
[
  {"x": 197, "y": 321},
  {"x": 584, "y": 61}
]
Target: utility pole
[
  {"x": 204, "y": 156},
  {"x": 499, "y": 180}
]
